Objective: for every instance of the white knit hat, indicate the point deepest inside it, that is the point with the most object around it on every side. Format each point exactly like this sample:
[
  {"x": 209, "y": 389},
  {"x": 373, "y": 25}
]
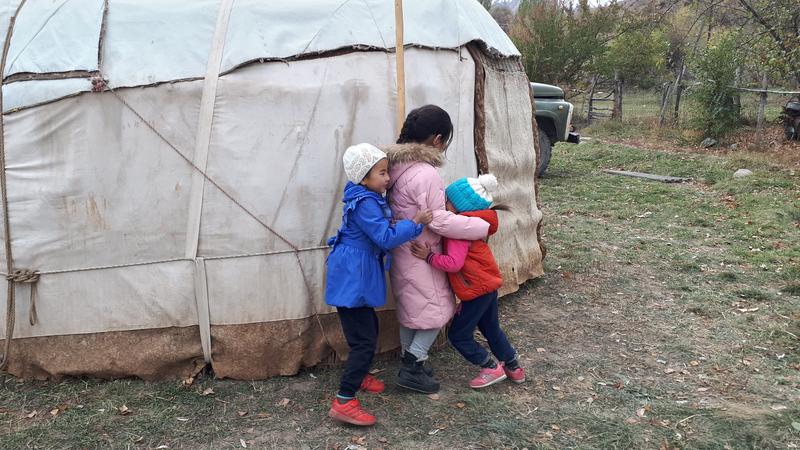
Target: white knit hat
[{"x": 359, "y": 159}]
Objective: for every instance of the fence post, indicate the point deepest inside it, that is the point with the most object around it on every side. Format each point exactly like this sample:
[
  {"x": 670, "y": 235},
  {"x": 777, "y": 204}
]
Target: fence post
[
  {"x": 616, "y": 113},
  {"x": 665, "y": 96},
  {"x": 678, "y": 92},
  {"x": 591, "y": 94},
  {"x": 737, "y": 98},
  {"x": 761, "y": 106}
]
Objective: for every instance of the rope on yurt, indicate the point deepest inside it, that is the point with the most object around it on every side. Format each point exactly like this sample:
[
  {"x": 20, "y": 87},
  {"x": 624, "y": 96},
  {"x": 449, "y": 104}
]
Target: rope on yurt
[
  {"x": 10, "y": 279},
  {"x": 101, "y": 84}
]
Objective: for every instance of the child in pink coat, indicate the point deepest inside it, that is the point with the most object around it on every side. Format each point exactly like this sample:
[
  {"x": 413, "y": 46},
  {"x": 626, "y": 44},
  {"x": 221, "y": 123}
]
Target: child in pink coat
[{"x": 425, "y": 301}]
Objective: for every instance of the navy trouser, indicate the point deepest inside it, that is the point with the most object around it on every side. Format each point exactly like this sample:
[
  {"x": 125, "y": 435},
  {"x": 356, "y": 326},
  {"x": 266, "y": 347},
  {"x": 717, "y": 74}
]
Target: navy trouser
[
  {"x": 482, "y": 313},
  {"x": 360, "y": 326}
]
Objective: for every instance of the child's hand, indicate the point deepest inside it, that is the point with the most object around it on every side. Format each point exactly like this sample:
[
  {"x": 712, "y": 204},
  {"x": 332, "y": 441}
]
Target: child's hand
[
  {"x": 420, "y": 251},
  {"x": 423, "y": 217}
]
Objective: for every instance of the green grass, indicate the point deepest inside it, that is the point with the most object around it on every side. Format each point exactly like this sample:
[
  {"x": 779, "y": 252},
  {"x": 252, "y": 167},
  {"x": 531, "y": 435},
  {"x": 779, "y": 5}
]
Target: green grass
[{"x": 679, "y": 301}]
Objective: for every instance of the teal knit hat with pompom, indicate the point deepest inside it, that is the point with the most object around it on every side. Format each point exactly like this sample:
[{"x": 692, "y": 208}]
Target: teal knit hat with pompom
[{"x": 472, "y": 194}]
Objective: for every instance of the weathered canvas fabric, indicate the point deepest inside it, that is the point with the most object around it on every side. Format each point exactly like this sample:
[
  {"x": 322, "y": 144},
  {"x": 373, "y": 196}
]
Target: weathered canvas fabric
[{"x": 173, "y": 171}]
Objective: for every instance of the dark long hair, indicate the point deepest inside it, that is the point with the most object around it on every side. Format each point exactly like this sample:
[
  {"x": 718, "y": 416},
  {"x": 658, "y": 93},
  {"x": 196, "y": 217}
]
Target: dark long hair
[{"x": 423, "y": 123}]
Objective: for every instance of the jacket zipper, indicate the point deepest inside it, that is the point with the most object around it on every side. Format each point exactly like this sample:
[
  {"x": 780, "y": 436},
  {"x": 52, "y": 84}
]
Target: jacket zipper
[{"x": 463, "y": 280}]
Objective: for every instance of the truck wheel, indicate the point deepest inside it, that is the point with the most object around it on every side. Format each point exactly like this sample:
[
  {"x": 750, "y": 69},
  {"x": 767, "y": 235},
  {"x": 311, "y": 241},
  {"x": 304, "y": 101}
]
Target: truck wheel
[{"x": 545, "y": 149}]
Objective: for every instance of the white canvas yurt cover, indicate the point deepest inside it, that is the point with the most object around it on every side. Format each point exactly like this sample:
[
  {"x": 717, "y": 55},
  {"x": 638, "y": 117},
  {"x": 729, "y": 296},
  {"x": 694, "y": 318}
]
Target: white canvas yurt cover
[{"x": 172, "y": 170}]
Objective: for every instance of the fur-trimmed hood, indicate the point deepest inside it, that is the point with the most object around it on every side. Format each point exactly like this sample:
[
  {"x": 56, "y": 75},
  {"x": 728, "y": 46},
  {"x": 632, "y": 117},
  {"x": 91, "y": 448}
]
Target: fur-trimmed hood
[
  {"x": 403, "y": 156},
  {"x": 409, "y": 153}
]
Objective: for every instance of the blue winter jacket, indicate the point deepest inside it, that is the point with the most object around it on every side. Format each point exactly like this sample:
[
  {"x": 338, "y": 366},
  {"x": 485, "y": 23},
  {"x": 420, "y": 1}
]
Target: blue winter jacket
[{"x": 355, "y": 268}]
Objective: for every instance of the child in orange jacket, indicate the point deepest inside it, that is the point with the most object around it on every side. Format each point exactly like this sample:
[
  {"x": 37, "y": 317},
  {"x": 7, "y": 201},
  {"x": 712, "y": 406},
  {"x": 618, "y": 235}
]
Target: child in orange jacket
[{"x": 475, "y": 279}]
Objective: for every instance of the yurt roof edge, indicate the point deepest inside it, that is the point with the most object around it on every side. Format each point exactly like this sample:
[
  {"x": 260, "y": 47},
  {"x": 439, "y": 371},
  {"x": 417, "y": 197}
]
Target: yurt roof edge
[{"x": 49, "y": 41}]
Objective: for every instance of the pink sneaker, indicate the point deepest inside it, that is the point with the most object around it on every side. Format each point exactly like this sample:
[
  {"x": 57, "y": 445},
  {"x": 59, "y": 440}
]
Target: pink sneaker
[
  {"x": 517, "y": 375},
  {"x": 488, "y": 377}
]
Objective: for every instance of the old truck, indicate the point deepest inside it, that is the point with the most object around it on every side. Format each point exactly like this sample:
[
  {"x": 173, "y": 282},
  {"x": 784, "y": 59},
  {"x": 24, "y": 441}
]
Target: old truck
[{"x": 554, "y": 117}]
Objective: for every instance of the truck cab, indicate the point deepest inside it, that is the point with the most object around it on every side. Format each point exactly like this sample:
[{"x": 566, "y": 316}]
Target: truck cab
[{"x": 554, "y": 118}]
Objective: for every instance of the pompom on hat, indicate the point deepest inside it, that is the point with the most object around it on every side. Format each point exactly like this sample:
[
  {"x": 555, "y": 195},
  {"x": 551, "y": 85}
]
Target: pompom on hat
[
  {"x": 359, "y": 159},
  {"x": 472, "y": 194}
]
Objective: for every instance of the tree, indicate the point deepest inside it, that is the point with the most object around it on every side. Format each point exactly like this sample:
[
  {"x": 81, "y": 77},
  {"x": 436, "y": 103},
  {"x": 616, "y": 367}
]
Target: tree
[
  {"x": 503, "y": 16},
  {"x": 716, "y": 67},
  {"x": 558, "y": 43},
  {"x": 779, "y": 22},
  {"x": 638, "y": 56}
]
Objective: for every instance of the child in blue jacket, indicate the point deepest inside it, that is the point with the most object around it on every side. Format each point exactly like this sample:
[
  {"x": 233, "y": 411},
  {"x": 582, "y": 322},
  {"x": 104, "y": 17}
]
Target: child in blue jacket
[{"x": 356, "y": 283}]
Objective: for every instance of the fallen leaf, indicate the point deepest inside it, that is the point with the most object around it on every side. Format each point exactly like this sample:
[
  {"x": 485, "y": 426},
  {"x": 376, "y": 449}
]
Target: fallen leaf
[
  {"x": 242, "y": 413},
  {"x": 746, "y": 362},
  {"x": 32, "y": 414},
  {"x": 555, "y": 427},
  {"x": 590, "y": 400},
  {"x": 640, "y": 412},
  {"x": 778, "y": 407},
  {"x": 581, "y": 378},
  {"x": 207, "y": 391},
  {"x": 187, "y": 382},
  {"x": 284, "y": 402},
  {"x": 703, "y": 389},
  {"x": 383, "y": 440},
  {"x": 360, "y": 440},
  {"x": 669, "y": 371},
  {"x": 694, "y": 363},
  {"x": 540, "y": 350},
  {"x": 631, "y": 420},
  {"x": 434, "y": 396},
  {"x": 460, "y": 405},
  {"x": 54, "y": 412},
  {"x": 556, "y": 388},
  {"x": 124, "y": 410},
  {"x": 244, "y": 444},
  {"x": 618, "y": 385}
]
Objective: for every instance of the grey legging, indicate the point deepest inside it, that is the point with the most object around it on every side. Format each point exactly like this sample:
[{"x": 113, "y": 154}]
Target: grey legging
[{"x": 417, "y": 342}]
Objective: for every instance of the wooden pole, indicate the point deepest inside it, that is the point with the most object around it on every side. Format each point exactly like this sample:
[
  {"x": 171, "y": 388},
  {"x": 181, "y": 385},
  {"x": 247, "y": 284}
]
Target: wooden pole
[
  {"x": 591, "y": 99},
  {"x": 616, "y": 112},
  {"x": 761, "y": 106},
  {"x": 678, "y": 92},
  {"x": 665, "y": 96},
  {"x": 400, "y": 63}
]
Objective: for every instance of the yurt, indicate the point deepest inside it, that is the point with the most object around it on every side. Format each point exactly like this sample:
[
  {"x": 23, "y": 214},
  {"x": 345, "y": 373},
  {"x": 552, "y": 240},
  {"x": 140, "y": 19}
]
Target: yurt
[{"x": 171, "y": 170}]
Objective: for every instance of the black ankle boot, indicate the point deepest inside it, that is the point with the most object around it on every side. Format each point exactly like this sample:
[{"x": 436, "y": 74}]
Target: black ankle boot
[{"x": 413, "y": 376}]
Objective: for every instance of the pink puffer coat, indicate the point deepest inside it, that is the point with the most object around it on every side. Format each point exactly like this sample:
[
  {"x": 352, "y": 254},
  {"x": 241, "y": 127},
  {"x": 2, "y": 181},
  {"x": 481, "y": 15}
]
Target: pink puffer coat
[{"x": 424, "y": 298}]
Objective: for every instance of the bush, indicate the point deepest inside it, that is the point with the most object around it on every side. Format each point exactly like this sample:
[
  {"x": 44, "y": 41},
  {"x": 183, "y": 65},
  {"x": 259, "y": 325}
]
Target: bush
[{"x": 715, "y": 109}]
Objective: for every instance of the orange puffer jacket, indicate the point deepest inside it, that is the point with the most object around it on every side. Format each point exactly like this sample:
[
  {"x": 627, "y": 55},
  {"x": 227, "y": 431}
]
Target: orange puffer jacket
[{"x": 471, "y": 266}]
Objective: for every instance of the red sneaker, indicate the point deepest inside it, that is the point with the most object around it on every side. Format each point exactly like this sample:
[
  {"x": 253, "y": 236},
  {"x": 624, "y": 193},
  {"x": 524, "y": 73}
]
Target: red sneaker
[
  {"x": 350, "y": 412},
  {"x": 517, "y": 375},
  {"x": 372, "y": 385},
  {"x": 488, "y": 377}
]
